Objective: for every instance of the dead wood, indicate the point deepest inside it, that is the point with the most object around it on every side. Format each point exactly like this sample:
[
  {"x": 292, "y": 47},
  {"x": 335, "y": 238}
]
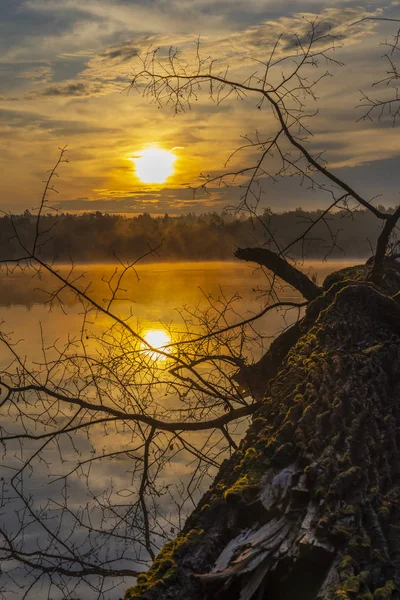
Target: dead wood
[
  {"x": 281, "y": 268},
  {"x": 309, "y": 505}
]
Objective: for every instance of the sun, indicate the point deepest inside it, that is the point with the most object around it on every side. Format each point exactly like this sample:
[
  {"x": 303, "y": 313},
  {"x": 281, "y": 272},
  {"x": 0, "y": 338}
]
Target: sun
[
  {"x": 157, "y": 339},
  {"x": 154, "y": 165}
]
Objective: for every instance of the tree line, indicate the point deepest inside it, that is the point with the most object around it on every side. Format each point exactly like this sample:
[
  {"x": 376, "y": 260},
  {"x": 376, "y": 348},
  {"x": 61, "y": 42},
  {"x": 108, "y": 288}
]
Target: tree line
[{"x": 99, "y": 237}]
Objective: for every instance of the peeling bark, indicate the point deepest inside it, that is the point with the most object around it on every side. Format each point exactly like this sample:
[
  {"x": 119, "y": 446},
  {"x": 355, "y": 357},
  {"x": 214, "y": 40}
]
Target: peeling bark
[{"x": 309, "y": 506}]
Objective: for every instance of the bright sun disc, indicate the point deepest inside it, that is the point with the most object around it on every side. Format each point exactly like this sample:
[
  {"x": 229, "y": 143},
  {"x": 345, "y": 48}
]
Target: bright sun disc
[
  {"x": 157, "y": 338},
  {"x": 154, "y": 165}
]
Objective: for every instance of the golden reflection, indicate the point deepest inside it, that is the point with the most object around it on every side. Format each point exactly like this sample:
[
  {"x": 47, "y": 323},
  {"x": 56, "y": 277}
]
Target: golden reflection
[
  {"x": 157, "y": 339},
  {"x": 154, "y": 165}
]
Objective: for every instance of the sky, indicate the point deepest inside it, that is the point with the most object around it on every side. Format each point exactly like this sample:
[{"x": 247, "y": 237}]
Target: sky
[{"x": 65, "y": 73}]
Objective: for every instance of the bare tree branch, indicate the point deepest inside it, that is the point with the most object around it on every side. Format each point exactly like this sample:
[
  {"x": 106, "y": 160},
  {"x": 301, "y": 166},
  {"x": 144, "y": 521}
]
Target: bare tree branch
[{"x": 281, "y": 268}]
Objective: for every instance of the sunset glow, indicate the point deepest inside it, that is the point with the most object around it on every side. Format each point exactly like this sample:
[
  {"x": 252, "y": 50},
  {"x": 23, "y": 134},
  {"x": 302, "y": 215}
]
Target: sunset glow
[
  {"x": 66, "y": 84},
  {"x": 157, "y": 338},
  {"x": 154, "y": 165}
]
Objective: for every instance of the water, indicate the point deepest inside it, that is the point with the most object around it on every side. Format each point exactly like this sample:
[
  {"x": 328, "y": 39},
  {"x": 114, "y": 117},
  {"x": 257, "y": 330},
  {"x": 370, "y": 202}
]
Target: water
[
  {"x": 153, "y": 293},
  {"x": 162, "y": 302}
]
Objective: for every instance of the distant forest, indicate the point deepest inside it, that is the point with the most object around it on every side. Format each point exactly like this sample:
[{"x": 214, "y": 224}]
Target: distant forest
[{"x": 98, "y": 237}]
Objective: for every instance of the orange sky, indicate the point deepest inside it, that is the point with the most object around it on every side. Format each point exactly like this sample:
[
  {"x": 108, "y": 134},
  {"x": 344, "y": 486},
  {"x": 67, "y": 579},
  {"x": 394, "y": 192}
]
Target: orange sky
[{"x": 66, "y": 66}]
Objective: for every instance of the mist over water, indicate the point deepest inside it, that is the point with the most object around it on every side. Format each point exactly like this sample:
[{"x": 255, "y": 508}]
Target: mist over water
[
  {"x": 154, "y": 285},
  {"x": 153, "y": 296}
]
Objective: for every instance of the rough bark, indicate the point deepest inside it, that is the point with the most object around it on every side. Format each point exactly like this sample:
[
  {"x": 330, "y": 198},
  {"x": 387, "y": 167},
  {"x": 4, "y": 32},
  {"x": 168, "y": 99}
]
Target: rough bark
[
  {"x": 381, "y": 246},
  {"x": 254, "y": 378},
  {"x": 309, "y": 506}
]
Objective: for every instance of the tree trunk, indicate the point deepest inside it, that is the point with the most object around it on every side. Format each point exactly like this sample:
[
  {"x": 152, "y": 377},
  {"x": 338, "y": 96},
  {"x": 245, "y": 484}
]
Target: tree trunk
[{"x": 309, "y": 506}]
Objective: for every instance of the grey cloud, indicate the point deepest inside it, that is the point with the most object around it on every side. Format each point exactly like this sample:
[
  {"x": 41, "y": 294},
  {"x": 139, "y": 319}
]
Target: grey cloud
[
  {"x": 92, "y": 56},
  {"x": 121, "y": 53},
  {"x": 99, "y": 75},
  {"x": 73, "y": 89},
  {"x": 378, "y": 178},
  {"x": 42, "y": 73},
  {"x": 173, "y": 201},
  {"x": 293, "y": 27},
  {"x": 293, "y": 43},
  {"x": 15, "y": 118},
  {"x": 287, "y": 194},
  {"x": 24, "y": 119},
  {"x": 69, "y": 129}
]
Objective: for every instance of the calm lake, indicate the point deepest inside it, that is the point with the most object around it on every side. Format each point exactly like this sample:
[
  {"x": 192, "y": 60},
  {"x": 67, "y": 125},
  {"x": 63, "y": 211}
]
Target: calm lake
[
  {"x": 154, "y": 294},
  {"x": 160, "y": 299}
]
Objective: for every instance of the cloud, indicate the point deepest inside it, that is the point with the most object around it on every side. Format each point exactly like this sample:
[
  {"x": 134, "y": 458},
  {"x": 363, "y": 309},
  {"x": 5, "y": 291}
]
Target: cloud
[
  {"x": 15, "y": 118},
  {"x": 77, "y": 88},
  {"x": 120, "y": 53},
  {"x": 376, "y": 179},
  {"x": 111, "y": 70},
  {"x": 39, "y": 74},
  {"x": 30, "y": 122},
  {"x": 171, "y": 200},
  {"x": 240, "y": 49},
  {"x": 139, "y": 17},
  {"x": 72, "y": 56}
]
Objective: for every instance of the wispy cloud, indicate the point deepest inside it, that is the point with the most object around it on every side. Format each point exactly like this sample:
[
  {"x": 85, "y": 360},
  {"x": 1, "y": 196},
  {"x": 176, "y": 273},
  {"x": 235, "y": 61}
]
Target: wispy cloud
[
  {"x": 77, "y": 88},
  {"x": 38, "y": 74},
  {"x": 66, "y": 66}
]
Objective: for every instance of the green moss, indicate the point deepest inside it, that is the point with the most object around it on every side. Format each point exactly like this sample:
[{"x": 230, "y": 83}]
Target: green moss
[
  {"x": 284, "y": 454},
  {"x": 241, "y": 488},
  {"x": 372, "y": 349},
  {"x": 260, "y": 421},
  {"x": 251, "y": 454},
  {"x": 385, "y": 592},
  {"x": 272, "y": 445},
  {"x": 344, "y": 459},
  {"x": 365, "y": 577},
  {"x": 341, "y": 595},
  {"x": 309, "y": 412},
  {"x": 384, "y": 511},
  {"x": 378, "y": 555},
  {"x": 352, "y": 584},
  {"x": 361, "y": 542},
  {"x": 349, "y": 473},
  {"x": 169, "y": 574},
  {"x": 322, "y": 420},
  {"x": 319, "y": 492},
  {"x": 365, "y": 596},
  {"x": 342, "y": 533},
  {"x": 346, "y": 562},
  {"x": 348, "y": 510},
  {"x": 394, "y": 492},
  {"x": 164, "y": 566},
  {"x": 286, "y": 432}
]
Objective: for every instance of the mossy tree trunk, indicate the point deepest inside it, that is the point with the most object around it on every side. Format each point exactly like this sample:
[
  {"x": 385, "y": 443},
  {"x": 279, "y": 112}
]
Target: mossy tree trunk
[{"x": 309, "y": 506}]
